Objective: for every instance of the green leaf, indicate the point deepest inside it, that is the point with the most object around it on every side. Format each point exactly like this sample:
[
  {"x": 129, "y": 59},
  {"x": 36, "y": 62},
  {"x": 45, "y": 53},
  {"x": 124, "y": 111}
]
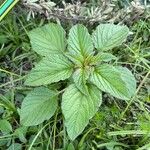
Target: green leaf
[
  {"x": 48, "y": 39},
  {"x": 80, "y": 76},
  {"x": 108, "y": 79},
  {"x": 80, "y": 42},
  {"x": 78, "y": 108},
  {"x": 15, "y": 146},
  {"x": 103, "y": 57},
  {"x": 129, "y": 80},
  {"x": 51, "y": 69},
  {"x": 70, "y": 146},
  {"x": 39, "y": 105},
  {"x": 108, "y": 36},
  {"x": 7, "y": 103},
  {"x": 5, "y": 126},
  {"x": 21, "y": 133},
  {"x": 77, "y": 60},
  {"x": 106, "y": 57}
]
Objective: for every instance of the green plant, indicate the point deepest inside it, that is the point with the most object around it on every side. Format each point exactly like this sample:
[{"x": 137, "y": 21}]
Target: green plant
[{"x": 85, "y": 62}]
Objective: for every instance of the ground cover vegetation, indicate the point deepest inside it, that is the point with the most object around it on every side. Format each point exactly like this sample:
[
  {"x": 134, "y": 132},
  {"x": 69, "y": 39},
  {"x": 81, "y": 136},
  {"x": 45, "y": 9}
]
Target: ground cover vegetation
[{"x": 68, "y": 84}]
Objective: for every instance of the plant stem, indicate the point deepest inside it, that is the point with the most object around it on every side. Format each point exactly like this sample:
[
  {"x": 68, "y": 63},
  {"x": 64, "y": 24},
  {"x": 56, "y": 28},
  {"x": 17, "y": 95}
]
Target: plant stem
[
  {"x": 55, "y": 120},
  {"x": 5, "y": 84},
  {"x": 8, "y": 72},
  {"x": 30, "y": 147}
]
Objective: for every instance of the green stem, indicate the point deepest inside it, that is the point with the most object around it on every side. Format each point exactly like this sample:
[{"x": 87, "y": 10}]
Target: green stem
[
  {"x": 128, "y": 132},
  {"x": 54, "y": 129},
  {"x": 5, "y": 84},
  {"x": 31, "y": 145},
  {"x": 8, "y": 72}
]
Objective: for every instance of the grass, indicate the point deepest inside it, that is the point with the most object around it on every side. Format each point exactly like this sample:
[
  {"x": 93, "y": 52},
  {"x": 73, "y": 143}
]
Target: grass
[{"x": 118, "y": 125}]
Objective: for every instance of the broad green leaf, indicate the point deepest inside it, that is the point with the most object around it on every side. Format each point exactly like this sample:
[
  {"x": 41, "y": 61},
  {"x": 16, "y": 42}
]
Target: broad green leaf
[
  {"x": 48, "y": 39},
  {"x": 108, "y": 79},
  {"x": 80, "y": 42},
  {"x": 51, "y": 69},
  {"x": 78, "y": 108},
  {"x": 39, "y": 105},
  {"x": 108, "y": 36},
  {"x": 103, "y": 57},
  {"x": 129, "y": 80},
  {"x": 5, "y": 126}
]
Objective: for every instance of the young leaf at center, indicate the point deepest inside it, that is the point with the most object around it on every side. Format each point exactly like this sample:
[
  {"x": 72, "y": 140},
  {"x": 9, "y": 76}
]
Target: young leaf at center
[
  {"x": 80, "y": 42},
  {"x": 80, "y": 77}
]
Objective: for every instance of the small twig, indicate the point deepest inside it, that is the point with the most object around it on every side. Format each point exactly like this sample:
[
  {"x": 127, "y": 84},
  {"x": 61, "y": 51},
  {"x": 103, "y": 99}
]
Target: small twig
[
  {"x": 8, "y": 72},
  {"x": 5, "y": 84}
]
